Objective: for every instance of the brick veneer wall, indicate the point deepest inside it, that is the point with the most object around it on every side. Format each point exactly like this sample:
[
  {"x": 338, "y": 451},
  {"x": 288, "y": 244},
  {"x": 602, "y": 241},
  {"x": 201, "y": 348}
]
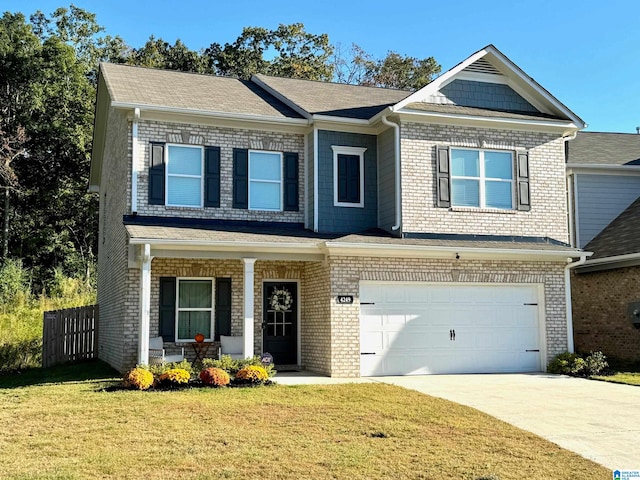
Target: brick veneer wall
[
  {"x": 346, "y": 273},
  {"x": 113, "y": 287},
  {"x": 600, "y": 319},
  {"x": 227, "y": 139},
  {"x": 548, "y": 215},
  {"x": 316, "y": 318}
]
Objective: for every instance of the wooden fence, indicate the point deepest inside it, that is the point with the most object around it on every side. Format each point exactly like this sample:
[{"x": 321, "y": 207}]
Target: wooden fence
[{"x": 70, "y": 334}]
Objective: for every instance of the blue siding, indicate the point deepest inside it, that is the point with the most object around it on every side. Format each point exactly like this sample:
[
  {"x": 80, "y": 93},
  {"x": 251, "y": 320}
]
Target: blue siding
[
  {"x": 333, "y": 219},
  {"x": 494, "y": 96},
  {"x": 386, "y": 180},
  {"x": 600, "y": 199}
]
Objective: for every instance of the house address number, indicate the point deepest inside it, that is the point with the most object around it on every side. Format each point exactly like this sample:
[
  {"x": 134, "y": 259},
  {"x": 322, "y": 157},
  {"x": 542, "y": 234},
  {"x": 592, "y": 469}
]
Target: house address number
[{"x": 344, "y": 299}]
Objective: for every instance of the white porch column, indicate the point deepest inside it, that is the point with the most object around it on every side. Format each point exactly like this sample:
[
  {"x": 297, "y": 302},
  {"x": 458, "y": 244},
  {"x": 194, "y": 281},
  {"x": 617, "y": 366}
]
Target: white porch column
[
  {"x": 248, "y": 327},
  {"x": 145, "y": 305}
]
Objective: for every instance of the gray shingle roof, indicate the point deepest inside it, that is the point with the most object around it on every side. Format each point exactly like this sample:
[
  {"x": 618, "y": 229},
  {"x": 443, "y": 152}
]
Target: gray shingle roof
[
  {"x": 334, "y": 99},
  {"x": 460, "y": 110},
  {"x": 599, "y": 148},
  {"x": 620, "y": 237},
  {"x": 191, "y": 91},
  {"x": 272, "y": 234}
]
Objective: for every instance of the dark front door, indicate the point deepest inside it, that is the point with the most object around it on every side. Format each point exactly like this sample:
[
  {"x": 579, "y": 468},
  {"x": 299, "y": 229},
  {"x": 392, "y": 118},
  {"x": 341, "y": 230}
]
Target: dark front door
[{"x": 280, "y": 321}]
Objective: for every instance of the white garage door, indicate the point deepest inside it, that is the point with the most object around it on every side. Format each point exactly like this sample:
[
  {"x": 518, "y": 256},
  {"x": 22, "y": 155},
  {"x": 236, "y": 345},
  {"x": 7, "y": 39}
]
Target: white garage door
[{"x": 416, "y": 328}]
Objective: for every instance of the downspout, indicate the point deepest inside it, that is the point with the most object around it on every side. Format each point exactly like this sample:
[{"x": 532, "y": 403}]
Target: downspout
[
  {"x": 567, "y": 293},
  {"x": 570, "y": 193},
  {"x": 396, "y": 141},
  {"x": 134, "y": 161},
  {"x": 315, "y": 178}
]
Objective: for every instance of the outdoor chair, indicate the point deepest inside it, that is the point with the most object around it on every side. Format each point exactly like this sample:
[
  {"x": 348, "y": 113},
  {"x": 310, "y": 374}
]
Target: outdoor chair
[
  {"x": 157, "y": 353},
  {"x": 231, "y": 346}
]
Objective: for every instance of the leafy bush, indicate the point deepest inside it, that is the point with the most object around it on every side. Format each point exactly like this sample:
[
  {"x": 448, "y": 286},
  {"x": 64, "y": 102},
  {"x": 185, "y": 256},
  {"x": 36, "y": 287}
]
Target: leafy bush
[
  {"x": 175, "y": 376},
  {"x": 159, "y": 369},
  {"x": 14, "y": 284},
  {"x": 232, "y": 366},
  {"x": 595, "y": 363},
  {"x": 575, "y": 365},
  {"x": 251, "y": 374},
  {"x": 20, "y": 355},
  {"x": 138, "y": 378},
  {"x": 214, "y": 376}
]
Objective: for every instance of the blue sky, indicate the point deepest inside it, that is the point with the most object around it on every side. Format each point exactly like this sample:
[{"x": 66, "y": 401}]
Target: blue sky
[{"x": 585, "y": 53}]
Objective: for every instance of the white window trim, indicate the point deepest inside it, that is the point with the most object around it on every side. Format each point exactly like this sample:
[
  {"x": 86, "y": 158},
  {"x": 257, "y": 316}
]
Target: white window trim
[
  {"x": 167, "y": 175},
  {"x": 280, "y": 182},
  {"x": 344, "y": 150},
  {"x": 178, "y": 309},
  {"x": 482, "y": 179}
]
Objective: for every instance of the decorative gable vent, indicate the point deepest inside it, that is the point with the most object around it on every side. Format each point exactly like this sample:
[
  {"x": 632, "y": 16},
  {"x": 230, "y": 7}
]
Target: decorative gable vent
[{"x": 482, "y": 66}]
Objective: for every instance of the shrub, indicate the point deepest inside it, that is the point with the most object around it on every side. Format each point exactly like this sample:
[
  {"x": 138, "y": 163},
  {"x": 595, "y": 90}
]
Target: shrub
[
  {"x": 232, "y": 366},
  {"x": 175, "y": 376},
  {"x": 214, "y": 376},
  {"x": 252, "y": 374},
  {"x": 575, "y": 365},
  {"x": 160, "y": 368},
  {"x": 14, "y": 284},
  {"x": 138, "y": 378},
  {"x": 595, "y": 363},
  {"x": 20, "y": 355}
]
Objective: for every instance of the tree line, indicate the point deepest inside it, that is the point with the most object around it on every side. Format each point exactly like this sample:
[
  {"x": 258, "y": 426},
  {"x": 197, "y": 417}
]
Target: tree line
[{"x": 48, "y": 76}]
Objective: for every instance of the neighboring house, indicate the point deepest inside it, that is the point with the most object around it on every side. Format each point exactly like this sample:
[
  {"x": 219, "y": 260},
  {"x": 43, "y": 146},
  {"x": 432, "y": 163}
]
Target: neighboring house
[
  {"x": 604, "y": 181},
  {"x": 346, "y": 230}
]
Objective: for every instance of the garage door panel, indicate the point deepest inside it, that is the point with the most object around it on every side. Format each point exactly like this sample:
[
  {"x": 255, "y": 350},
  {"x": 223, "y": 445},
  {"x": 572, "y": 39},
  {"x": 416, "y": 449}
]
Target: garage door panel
[{"x": 493, "y": 329}]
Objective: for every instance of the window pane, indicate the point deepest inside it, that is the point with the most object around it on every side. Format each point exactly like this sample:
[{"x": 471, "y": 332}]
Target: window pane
[
  {"x": 465, "y": 163},
  {"x": 498, "y": 165},
  {"x": 465, "y": 193},
  {"x": 194, "y": 294},
  {"x": 192, "y": 323},
  {"x": 498, "y": 195},
  {"x": 183, "y": 191},
  {"x": 264, "y": 166},
  {"x": 185, "y": 160},
  {"x": 264, "y": 196}
]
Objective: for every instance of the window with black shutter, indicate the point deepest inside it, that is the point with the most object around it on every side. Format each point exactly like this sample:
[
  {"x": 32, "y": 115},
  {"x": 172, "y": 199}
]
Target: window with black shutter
[{"x": 348, "y": 171}]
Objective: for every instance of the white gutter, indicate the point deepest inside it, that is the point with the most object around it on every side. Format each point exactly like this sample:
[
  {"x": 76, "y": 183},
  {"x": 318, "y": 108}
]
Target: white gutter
[
  {"x": 229, "y": 245},
  {"x": 396, "y": 141},
  {"x": 134, "y": 161},
  {"x": 501, "y": 120},
  {"x": 331, "y": 118},
  {"x": 208, "y": 113},
  {"x": 629, "y": 257},
  {"x": 567, "y": 293}
]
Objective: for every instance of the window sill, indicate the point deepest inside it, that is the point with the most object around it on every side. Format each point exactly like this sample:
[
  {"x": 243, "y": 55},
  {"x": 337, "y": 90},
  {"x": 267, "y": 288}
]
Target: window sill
[
  {"x": 482, "y": 210},
  {"x": 185, "y": 207}
]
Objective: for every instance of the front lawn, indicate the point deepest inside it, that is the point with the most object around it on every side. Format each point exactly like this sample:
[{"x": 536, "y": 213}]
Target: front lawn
[
  {"x": 623, "y": 372},
  {"x": 60, "y": 424}
]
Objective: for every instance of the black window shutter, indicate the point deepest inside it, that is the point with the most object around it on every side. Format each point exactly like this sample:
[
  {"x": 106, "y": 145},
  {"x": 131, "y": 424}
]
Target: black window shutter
[
  {"x": 291, "y": 182},
  {"x": 156, "y": 174},
  {"x": 443, "y": 178},
  {"x": 240, "y": 178},
  {"x": 168, "y": 308},
  {"x": 523, "y": 193},
  {"x": 223, "y": 307},
  {"x": 212, "y": 177}
]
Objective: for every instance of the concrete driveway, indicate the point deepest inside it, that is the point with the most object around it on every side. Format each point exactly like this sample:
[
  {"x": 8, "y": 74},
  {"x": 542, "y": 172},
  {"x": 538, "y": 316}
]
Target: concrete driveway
[{"x": 598, "y": 420}]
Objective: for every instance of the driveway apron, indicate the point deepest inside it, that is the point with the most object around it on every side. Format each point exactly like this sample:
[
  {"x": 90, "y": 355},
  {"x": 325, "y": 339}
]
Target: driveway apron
[{"x": 598, "y": 420}]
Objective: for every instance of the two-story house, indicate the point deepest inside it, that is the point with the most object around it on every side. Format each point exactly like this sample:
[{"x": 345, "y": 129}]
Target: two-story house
[
  {"x": 603, "y": 172},
  {"x": 347, "y": 230}
]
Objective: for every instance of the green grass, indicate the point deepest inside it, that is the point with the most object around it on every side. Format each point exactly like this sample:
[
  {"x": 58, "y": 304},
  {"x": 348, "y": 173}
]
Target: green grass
[
  {"x": 623, "y": 372},
  {"x": 60, "y": 423}
]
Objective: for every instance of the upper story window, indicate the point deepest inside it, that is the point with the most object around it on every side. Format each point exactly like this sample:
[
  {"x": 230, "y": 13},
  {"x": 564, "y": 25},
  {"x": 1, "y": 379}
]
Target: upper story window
[
  {"x": 348, "y": 176},
  {"x": 194, "y": 308},
  {"x": 185, "y": 166},
  {"x": 482, "y": 178},
  {"x": 265, "y": 180}
]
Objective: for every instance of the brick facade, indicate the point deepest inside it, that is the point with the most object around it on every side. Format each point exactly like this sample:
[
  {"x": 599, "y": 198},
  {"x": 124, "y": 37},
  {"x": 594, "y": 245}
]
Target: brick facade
[
  {"x": 227, "y": 139},
  {"x": 600, "y": 318},
  {"x": 548, "y": 215}
]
